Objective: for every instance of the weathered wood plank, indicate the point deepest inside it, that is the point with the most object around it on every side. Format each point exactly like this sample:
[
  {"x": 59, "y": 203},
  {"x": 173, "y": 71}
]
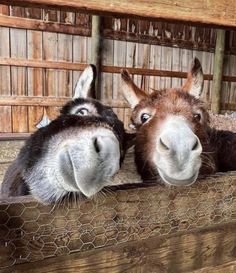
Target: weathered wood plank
[
  {"x": 176, "y": 253},
  {"x": 6, "y": 119},
  {"x": 128, "y": 214},
  {"x": 200, "y": 12},
  {"x": 5, "y": 79},
  {"x": 18, "y": 41},
  {"x": 56, "y": 102},
  {"x": 33, "y": 24},
  {"x": 64, "y": 54},
  {"x": 35, "y": 76},
  {"x": 104, "y": 68},
  {"x": 13, "y": 136},
  {"x": 218, "y": 71},
  {"x": 224, "y": 268}
]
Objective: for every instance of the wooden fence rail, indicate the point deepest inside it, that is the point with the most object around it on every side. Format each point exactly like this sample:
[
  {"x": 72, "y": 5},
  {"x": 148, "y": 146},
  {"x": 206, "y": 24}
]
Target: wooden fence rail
[
  {"x": 150, "y": 226},
  {"x": 210, "y": 12}
]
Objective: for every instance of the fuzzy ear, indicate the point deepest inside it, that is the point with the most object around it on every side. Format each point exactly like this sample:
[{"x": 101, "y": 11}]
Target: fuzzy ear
[
  {"x": 194, "y": 83},
  {"x": 85, "y": 86},
  {"x": 131, "y": 92}
]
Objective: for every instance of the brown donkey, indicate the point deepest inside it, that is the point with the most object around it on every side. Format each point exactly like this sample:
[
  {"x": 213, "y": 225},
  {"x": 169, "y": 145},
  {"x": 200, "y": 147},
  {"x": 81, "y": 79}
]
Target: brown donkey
[{"x": 173, "y": 138}]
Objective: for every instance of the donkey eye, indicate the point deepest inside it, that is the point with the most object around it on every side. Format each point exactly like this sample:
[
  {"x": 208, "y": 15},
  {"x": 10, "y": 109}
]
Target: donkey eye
[
  {"x": 82, "y": 112},
  {"x": 197, "y": 117},
  {"x": 145, "y": 117}
]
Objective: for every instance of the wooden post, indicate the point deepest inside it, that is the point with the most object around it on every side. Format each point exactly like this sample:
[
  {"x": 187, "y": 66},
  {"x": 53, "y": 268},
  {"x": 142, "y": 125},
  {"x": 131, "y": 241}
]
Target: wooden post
[
  {"x": 218, "y": 71},
  {"x": 96, "y": 47}
]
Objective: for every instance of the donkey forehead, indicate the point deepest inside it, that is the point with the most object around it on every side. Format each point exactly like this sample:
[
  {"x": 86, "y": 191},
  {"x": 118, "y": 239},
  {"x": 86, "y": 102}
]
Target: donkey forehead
[
  {"x": 170, "y": 101},
  {"x": 94, "y": 106}
]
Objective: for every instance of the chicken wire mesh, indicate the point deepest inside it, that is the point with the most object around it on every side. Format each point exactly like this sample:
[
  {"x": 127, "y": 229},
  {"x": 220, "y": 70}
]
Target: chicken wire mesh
[{"x": 30, "y": 231}]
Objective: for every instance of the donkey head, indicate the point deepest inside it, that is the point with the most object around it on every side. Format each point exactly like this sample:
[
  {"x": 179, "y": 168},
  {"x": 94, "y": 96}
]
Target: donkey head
[
  {"x": 171, "y": 129},
  {"x": 77, "y": 152}
]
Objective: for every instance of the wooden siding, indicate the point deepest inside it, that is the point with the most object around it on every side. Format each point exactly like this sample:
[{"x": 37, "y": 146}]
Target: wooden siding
[{"x": 42, "y": 53}]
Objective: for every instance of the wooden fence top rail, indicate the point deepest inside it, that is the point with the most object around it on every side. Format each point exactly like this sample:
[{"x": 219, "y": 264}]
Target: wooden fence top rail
[
  {"x": 30, "y": 231},
  {"x": 209, "y": 12}
]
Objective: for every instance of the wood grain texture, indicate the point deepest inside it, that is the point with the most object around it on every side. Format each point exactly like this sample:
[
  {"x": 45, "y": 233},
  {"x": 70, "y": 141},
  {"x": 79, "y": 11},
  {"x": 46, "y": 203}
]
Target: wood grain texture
[
  {"x": 212, "y": 247},
  {"x": 104, "y": 68},
  {"x": 35, "y": 76},
  {"x": 19, "y": 78},
  {"x": 224, "y": 268},
  {"x": 213, "y": 12},
  {"x": 57, "y": 102},
  {"x": 33, "y": 24},
  {"x": 31, "y": 232}
]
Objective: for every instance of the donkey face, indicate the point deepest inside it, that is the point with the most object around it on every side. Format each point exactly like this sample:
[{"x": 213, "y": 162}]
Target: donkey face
[
  {"x": 77, "y": 152},
  {"x": 171, "y": 129}
]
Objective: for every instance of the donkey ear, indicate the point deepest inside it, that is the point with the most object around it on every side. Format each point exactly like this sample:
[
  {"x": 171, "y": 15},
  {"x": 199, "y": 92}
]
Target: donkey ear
[
  {"x": 85, "y": 86},
  {"x": 131, "y": 91},
  {"x": 194, "y": 83}
]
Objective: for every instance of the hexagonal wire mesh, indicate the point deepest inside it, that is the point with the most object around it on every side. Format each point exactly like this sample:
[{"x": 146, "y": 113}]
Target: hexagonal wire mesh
[{"x": 30, "y": 231}]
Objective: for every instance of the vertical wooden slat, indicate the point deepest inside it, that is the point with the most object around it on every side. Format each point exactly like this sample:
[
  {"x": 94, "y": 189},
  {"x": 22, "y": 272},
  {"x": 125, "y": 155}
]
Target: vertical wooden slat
[
  {"x": 35, "y": 77},
  {"x": 19, "y": 79},
  {"x": 80, "y": 54},
  {"x": 130, "y": 62},
  {"x": 186, "y": 59},
  {"x": 152, "y": 66},
  {"x": 175, "y": 82},
  {"x": 96, "y": 51},
  {"x": 106, "y": 78},
  {"x": 4, "y": 9},
  {"x": 218, "y": 69},
  {"x": 6, "y": 119},
  {"x": 167, "y": 64},
  {"x": 17, "y": 11},
  {"x": 5, "y": 80},
  {"x": 20, "y": 119},
  {"x": 232, "y": 72},
  {"x": 226, "y": 86},
  {"x": 64, "y": 76},
  {"x": 119, "y": 60},
  {"x": 33, "y": 13},
  {"x": 50, "y": 48}
]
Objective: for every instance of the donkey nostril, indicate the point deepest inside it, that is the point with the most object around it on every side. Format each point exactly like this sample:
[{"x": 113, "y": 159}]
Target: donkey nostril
[
  {"x": 195, "y": 146},
  {"x": 96, "y": 145},
  {"x": 163, "y": 145}
]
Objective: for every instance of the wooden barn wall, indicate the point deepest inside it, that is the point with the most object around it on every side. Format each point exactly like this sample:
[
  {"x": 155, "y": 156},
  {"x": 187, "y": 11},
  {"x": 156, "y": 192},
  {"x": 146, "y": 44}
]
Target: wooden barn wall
[{"x": 64, "y": 38}]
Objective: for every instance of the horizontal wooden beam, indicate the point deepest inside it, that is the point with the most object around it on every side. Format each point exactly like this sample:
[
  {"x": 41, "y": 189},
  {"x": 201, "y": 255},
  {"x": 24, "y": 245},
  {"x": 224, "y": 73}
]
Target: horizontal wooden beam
[
  {"x": 30, "y": 231},
  {"x": 51, "y": 101},
  {"x": 24, "y": 23},
  {"x": 42, "y": 64},
  {"x": 104, "y": 68},
  {"x": 60, "y": 101},
  {"x": 155, "y": 40},
  {"x": 212, "y": 248},
  {"x": 209, "y": 12},
  {"x": 14, "y": 136}
]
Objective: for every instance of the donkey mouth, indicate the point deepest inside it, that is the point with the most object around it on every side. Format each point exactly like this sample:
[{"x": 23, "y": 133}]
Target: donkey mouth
[{"x": 177, "y": 182}]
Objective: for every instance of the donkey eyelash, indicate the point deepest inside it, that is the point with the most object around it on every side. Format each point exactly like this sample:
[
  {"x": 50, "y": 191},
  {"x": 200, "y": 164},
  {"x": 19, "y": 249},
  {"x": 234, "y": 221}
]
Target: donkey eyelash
[
  {"x": 82, "y": 112},
  {"x": 145, "y": 117},
  {"x": 197, "y": 116}
]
